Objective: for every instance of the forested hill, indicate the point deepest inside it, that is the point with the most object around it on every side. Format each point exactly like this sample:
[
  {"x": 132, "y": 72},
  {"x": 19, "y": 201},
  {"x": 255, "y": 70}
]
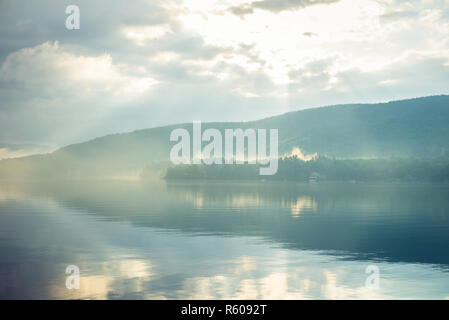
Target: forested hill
[
  {"x": 417, "y": 127},
  {"x": 407, "y": 128}
]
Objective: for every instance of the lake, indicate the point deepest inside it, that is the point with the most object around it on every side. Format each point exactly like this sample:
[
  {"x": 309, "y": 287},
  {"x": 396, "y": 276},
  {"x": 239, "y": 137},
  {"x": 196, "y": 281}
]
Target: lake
[{"x": 224, "y": 240}]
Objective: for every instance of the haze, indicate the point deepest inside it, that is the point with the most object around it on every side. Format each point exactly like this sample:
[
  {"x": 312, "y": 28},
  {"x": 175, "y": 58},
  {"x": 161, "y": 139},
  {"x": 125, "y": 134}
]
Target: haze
[{"x": 163, "y": 62}]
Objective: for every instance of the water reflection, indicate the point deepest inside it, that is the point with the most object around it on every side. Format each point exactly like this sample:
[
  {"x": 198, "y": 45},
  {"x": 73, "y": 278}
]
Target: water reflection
[
  {"x": 213, "y": 240},
  {"x": 300, "y": 204}
]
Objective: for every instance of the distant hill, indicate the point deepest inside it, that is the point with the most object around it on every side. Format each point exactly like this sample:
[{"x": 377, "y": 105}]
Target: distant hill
[{"x": 407, "y": 128}]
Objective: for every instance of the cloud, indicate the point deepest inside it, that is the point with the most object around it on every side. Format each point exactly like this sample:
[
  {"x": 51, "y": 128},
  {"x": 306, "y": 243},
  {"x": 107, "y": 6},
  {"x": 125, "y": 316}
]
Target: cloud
[
  {"x": 275, "y": 6},
  {"x": 280, "y": 5},
  {"x": 309, "y": 34},
  {"x": 66, "y": 71},
  {"x": 26, "y": 24},
  {"x": 412, "y": 72},
  {"x": 242, "y": 10},
  {"x": 398, "y": 15}
]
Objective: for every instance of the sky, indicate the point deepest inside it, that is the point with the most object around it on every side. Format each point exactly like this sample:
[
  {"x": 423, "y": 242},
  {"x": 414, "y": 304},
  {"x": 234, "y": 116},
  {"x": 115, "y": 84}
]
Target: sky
[{"x": 147, "y": 63}]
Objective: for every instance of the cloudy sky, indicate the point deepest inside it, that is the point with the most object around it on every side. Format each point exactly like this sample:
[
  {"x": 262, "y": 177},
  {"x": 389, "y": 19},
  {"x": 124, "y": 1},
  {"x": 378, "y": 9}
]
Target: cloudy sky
[{"x": 146, "y": 63}]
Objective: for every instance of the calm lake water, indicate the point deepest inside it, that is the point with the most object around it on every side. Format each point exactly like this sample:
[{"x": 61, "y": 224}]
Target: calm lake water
[{"x": 194, "y": 240}]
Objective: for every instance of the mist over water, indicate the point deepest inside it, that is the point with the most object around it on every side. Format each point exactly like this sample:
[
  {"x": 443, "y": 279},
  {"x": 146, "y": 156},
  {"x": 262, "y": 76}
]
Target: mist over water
[{"x": 201, "y": 240}]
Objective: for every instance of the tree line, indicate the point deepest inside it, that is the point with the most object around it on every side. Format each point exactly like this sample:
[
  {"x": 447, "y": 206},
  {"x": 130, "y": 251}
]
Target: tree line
[{"x": 324, "y": 169}]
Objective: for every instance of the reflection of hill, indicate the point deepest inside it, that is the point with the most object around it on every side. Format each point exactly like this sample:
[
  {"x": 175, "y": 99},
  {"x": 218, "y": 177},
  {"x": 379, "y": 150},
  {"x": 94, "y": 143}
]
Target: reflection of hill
[{"x": 408, "y": 223}]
